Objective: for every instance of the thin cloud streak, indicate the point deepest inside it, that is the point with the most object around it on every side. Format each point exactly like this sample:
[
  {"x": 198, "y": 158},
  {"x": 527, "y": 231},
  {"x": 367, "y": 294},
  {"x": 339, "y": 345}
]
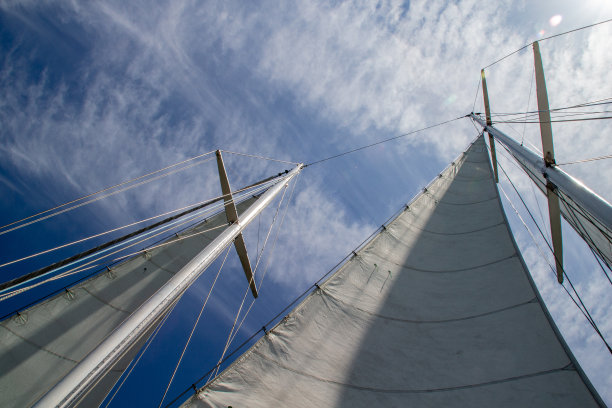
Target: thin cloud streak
[{"x": 145, "y": 86}]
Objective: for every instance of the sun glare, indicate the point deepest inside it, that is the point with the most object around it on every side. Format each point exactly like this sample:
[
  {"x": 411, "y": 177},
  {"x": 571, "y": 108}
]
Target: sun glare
[{"x": 555, "y": 20}]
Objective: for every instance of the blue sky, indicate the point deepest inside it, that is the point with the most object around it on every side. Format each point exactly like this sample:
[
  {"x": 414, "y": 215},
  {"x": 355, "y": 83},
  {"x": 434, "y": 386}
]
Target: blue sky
[{"x": 94, "y": 94}]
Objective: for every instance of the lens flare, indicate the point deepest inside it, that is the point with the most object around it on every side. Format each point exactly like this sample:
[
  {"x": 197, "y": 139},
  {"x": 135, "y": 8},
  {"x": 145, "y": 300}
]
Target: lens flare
[{"x": 555, "y": 20}]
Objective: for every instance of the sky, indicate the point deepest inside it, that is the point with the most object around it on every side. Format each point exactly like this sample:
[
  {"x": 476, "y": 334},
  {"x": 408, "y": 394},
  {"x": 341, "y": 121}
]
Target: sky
[{"x": 96, "y": 93}]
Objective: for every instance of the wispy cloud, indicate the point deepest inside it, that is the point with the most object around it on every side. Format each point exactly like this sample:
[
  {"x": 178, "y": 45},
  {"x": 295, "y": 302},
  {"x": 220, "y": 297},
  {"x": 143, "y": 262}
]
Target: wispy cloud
[{"x": 111, "y": 90}]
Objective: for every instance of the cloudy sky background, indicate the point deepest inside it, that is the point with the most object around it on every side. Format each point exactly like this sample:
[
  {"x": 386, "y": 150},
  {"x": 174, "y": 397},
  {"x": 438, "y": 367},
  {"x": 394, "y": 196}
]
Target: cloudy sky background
[{"x": 95, "y": 94}]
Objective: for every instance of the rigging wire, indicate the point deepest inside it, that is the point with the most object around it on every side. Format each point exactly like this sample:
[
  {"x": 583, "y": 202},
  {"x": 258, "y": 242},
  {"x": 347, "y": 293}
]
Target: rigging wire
[
  {"x": 82, "y": 268},
  {"x": 547, "y": 38},
  {"x": 89, "y": 265},
  {"x": 584, "y": 312},
  {"x": 587, "y": 238},
  {"x": 92, "y": 200},
  {"x": 556, "y": 114},
  {"x": 260, "y": 157},
  {"x": 571, "y": 210},
  {"x": 298, "y": 298},
  {"x": 584, "y": 309},
  {"x": 555, "y": 120},
  {"x": 269, "y": 260},
  {"x": 609, "y": 156},
  {"x": 597, "y": 102},
  {"x": 135, "y": 361},
  {"x": 476, "y": 97},
  {"x": 528, "y": 104},
  {"x": 234, "y": 329},
  {"x": 108, "y": 188},
  {"x": 122, "y": 246},
  {"x": 194, "y": 207},
  {"x": 195, "y": 324},
  {"x": 382, "y": 141}
]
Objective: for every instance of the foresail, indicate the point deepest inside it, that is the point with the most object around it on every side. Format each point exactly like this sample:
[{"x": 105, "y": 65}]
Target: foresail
[
  {"x": 437, "y": 310},
  {"x": 43, "y": 343}
]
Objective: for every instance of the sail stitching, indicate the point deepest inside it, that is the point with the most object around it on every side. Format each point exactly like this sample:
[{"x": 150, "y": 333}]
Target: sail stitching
[
  {"x": 397, "y": 319},
  {"x": 470, "y": 203},
  {"x": 417, "y": 391},
  {"x": 449, "y": 270},
  {"x": 451, "y": 233},
  {"x": 398, "y": 240},
  {"x": 104, "y": 301},
  {"x": 39, "y": 347}
]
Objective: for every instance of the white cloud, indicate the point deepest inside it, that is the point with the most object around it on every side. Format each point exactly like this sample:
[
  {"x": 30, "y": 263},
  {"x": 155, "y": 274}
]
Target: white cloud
[{"x": 160, "y": 84}]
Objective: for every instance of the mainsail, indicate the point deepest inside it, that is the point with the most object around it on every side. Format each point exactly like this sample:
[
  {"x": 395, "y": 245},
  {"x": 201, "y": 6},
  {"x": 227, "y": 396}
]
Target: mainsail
[
  {"x": 42, "y": 344},
  {"x": 436, "y": 310}
]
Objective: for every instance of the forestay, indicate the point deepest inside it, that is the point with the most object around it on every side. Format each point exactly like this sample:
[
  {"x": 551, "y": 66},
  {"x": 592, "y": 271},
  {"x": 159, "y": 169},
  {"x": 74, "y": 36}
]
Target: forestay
[
  {"x": 437, "y": 310},
  {"x": 43, "y": 343}
]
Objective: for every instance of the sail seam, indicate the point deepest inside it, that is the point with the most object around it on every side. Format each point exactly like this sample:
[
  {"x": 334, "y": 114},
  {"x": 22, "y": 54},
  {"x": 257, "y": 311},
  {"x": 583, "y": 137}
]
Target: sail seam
[
  {"x": 105, "y": 302},
  {"x": 466, "y": 179},
  {"x": 397, "y": 319},
  {"x": 446, "y": 271},
  {"x": 417, "y": 391},
  {"x": 39, "y": 347},
  {"x": 401, "y": 242},
  {"x": 451, "y": 233},
  {"x": 438, "y": 201}
]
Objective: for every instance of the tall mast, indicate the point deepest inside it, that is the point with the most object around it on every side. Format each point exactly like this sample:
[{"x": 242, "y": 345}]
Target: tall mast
[
  {"x": 76, "y": 384},
  {"x": 598, "y": 225}
]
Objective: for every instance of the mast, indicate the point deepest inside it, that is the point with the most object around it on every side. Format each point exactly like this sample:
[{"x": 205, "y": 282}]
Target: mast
[
  {"x": 72, "y": 388},
  {"x": 596, "y": 229},
  {"x": 599, "y": 225},
  {"x": 437, "y": 309}
]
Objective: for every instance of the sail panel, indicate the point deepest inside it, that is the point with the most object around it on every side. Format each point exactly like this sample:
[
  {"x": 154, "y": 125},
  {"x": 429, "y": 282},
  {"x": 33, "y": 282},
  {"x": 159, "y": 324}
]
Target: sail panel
[
  {"x": 437, "y": 309},
  {"x": 41, "y": 344}
]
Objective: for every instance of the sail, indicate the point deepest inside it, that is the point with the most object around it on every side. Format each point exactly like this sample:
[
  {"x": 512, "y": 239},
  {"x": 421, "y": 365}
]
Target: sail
[
  {"x": 586, "y": 212},
  {"x": 43, "y": 343},
  {"x": 436, "y": 310}
]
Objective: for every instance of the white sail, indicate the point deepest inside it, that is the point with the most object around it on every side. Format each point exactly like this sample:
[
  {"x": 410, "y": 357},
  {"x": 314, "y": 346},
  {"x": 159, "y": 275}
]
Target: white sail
[
  {"x": 43, "y": 343},
  {"x": 437, "y": 310}
]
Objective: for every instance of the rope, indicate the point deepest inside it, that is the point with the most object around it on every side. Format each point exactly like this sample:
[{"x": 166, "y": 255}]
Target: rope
[
  {"x": 382, "y": 141},
  {"x": 547, "y": 38},
  {"x": 194, "y": 327}
]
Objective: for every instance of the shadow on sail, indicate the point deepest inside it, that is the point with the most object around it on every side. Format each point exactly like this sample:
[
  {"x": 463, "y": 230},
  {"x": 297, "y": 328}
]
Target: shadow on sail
[{"x": 437, "y": 310}]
